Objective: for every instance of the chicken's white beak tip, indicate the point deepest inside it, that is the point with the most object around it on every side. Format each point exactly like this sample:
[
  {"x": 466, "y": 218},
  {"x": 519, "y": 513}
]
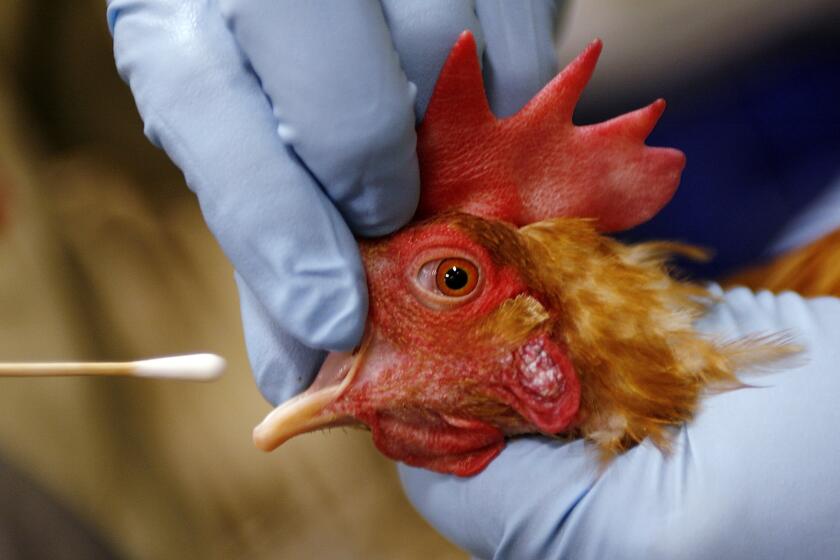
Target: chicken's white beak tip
[
  {"x": 262, "y": 440},
  {"x": 308, "y": 411}
]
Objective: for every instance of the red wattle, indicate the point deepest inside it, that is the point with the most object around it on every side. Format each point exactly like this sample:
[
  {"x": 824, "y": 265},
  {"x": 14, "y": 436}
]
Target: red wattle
[{"x": 447, "y": 445}]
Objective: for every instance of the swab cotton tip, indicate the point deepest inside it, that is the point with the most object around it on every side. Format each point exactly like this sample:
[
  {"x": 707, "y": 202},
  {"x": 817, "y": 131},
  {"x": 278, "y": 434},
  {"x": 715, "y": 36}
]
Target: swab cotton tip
[{"x": 198, "y": 367}]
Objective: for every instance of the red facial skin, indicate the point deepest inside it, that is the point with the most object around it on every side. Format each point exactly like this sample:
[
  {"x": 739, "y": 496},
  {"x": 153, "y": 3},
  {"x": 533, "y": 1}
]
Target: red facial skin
[{"x": 434, "y": 392}]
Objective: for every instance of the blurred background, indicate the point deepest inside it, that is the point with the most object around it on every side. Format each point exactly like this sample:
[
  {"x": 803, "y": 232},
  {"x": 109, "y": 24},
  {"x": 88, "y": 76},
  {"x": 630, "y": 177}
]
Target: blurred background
[{"x": 104, "y": 255}]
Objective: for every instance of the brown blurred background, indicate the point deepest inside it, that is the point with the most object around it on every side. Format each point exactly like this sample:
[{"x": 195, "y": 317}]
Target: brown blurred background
[{"x": 104, "y": 255}]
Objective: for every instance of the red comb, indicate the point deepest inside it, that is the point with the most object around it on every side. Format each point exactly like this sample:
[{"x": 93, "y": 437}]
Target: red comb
[{"x": 537, "y": 164}]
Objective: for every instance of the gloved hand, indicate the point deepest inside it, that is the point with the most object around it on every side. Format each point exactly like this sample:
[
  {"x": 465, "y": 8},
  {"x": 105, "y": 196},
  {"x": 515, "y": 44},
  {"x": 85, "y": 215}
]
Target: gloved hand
[
  {"x": 293, "y": 120},
  {"x": 754, "y": 475}
]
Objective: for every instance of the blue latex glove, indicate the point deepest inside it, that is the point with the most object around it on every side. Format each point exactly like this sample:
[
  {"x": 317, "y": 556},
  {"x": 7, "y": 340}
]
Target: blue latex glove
[
  {"x": 293, "y": 120},
  {"x": 755, "y": 475}
]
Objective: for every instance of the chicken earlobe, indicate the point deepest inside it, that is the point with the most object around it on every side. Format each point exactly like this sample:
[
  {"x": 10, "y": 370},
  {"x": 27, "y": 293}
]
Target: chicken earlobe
[{"x": 544, "y": 384}]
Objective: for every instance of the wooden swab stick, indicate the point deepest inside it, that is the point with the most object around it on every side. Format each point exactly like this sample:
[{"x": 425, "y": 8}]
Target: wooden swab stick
[{"x": 190, "y": 367}]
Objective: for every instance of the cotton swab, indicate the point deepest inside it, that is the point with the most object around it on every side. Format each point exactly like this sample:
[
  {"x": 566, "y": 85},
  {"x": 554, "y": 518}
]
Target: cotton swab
[{"x": 189, "y": 367}]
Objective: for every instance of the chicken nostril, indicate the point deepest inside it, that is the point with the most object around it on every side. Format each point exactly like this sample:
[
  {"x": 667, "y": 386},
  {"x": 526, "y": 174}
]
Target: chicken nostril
[
  {"x": 342, "y": 372},
  {"x": 334, "y": 370}
]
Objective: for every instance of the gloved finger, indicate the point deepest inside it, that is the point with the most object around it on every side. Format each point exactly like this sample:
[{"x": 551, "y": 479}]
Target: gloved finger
[
  {"x": 342, "y": 101},
  {"x": 205, "y": 108},
  {"x": 516, "y": 506},
  {"x": 282, "y": 366},
  {"x": 423, "y": 32},
  {"x": 520, "y": 56}
]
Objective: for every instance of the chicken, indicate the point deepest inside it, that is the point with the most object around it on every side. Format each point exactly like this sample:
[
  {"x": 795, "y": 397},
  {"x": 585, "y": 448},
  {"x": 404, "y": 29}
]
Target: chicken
[{"x": 502, "y": 310}]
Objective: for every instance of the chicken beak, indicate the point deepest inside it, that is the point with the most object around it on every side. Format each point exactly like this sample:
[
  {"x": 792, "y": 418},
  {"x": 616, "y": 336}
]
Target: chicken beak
[{"x": 307, "y": 412}]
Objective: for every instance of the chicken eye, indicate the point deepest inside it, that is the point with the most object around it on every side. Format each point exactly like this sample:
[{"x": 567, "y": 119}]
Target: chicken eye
[
  {"x": 442, "y": 283},
  {"x": 456, "y": 277}
]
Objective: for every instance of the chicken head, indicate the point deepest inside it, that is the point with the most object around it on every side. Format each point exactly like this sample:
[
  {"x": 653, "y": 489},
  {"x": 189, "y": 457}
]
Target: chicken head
[{"x": 502, "y": 310}]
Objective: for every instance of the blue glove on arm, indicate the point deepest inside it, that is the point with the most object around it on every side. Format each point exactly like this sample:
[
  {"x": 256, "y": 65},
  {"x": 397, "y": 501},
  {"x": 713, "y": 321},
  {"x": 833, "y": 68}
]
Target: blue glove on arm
[
  {"x": 755, "y": 475},
  {"x": 291, "y": 120}
]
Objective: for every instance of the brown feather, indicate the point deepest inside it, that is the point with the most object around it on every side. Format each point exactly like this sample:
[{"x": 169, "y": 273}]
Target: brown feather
[
  {"x": 628, "y": 326},
  {"x": 812, "y": 270}
]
